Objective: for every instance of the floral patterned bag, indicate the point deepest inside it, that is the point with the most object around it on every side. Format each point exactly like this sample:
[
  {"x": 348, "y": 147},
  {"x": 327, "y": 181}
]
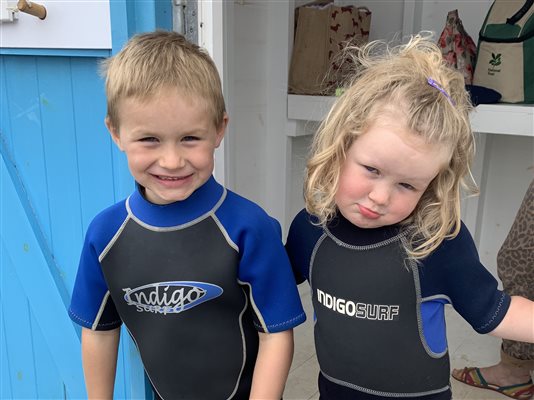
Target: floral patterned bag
[{"x": 458, "y": 48}]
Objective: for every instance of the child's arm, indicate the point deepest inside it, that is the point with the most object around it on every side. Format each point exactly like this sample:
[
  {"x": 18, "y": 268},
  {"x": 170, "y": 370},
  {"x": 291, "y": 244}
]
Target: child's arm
[
  {"x": 99, "y": 357},
  {"x": 518, "y": 323},
  {"x": 272, "y": 365}
]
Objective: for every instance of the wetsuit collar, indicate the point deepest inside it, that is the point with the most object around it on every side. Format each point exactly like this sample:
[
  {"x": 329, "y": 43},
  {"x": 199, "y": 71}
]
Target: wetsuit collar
[
  {"x": 202, "y": 201},
  {"x": 352, "y": 235}
]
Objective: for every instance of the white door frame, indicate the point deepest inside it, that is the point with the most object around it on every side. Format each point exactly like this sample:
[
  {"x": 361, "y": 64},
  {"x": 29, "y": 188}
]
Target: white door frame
[{"x": 212, "y": 35}]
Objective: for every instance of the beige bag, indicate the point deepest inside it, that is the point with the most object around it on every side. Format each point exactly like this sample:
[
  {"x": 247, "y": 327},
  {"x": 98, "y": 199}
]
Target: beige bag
[
  {"x": 505, "y": 60},
  {"x": 322, "y": 31}
]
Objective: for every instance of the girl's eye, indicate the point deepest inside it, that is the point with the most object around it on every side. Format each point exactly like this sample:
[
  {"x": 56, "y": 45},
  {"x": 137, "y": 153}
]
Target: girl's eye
[
  {"x": 407, "y": 186},
  {"x": 148, "y": 139},
  {"x": 371, "y": 169}
]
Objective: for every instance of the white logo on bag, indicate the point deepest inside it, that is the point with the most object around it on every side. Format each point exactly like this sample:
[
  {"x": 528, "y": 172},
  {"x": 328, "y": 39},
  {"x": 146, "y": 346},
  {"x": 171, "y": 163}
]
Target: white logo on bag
[{"x": 170, "y": 297}]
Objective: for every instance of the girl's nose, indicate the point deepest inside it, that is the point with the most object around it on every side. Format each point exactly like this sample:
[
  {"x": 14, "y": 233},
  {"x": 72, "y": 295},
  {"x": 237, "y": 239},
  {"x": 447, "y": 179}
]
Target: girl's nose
[{"x": 380, "y": 194}]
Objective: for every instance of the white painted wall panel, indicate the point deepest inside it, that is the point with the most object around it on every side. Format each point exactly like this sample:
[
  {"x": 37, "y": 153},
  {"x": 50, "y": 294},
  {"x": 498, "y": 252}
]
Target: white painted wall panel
[
  {"x": 510, "y": 169},
  {"x": 73, "y": 24}
]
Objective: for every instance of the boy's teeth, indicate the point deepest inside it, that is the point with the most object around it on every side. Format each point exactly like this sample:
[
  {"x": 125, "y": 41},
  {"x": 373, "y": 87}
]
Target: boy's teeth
[{"x": 168, "y": 178}]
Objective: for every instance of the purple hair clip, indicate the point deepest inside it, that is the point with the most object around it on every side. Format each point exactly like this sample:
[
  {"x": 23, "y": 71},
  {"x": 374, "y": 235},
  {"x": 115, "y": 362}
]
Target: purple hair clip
[{"x": 436, "y": 85}]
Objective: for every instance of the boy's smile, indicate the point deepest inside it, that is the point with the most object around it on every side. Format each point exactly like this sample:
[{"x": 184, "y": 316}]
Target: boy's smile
[
  {"x": 169, "y": 140},
  {"x": 385, "y": 173}
]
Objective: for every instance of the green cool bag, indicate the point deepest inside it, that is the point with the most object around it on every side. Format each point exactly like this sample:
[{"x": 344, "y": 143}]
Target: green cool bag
[{"x": 505, "y": 57}]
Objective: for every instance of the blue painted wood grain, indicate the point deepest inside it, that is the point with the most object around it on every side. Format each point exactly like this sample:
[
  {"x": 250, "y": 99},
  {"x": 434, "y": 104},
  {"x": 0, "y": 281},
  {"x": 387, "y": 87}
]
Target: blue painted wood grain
[
  {"x": 5, "y": 380},
  {"x": 48, "y": 381},
  {"x": 25, "y": 122},
  {"x": 5, "y": 122},
  {"x": 120, "y": 24},
  {"x": 60, "y": 154},
  {"x": 18, "y": 331},
  {"x": 93, "y": 142},
  {"x": 23, "y": 249},
  {"x": 24, "y": 202}
]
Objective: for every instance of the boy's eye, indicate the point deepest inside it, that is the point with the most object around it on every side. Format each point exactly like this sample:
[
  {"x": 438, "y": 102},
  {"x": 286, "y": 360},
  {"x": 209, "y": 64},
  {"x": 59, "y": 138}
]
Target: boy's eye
[
  {"x": 148, "y": 139},
  {"x": 190, "y": 138},
  {"x": 407, "y": 186}
]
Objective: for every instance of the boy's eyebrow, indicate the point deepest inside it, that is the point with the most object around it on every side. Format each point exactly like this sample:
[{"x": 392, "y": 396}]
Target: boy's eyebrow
[
  {"x": 195, "y": 130},
  {"x": 142, "y": 130}
]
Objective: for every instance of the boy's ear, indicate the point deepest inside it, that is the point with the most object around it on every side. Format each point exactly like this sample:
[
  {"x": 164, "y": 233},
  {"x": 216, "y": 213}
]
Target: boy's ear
[
  {"x": 114, "y": 133},
  {"x": 221, "y": 131}
]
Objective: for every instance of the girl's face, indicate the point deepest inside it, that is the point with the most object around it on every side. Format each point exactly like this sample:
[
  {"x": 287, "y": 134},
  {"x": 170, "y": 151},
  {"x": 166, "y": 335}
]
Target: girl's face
[{"x": 387, "y": 170}]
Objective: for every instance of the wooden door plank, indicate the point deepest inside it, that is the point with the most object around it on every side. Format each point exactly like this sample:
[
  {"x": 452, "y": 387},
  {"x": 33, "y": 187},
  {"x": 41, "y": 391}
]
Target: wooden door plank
[
  {"x": 94, "y": 145},
  {"x": 47, "y": 378},
  {"x": 39, "y": 286},
  {"x": 27, "y": 142},
  {"x": 16, "y": 315},
  {"x": 5, "y": 381}
]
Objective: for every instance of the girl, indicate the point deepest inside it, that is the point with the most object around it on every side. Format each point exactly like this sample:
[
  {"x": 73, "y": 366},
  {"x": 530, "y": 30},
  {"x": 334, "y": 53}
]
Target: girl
[{"x": 381, "y": 241}]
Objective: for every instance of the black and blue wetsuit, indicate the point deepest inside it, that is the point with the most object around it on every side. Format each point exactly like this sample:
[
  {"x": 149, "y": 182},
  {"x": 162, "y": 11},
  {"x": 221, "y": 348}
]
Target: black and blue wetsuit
[
  {"x": 380, "y": 324},
  {"x": 193, "y": 281}
]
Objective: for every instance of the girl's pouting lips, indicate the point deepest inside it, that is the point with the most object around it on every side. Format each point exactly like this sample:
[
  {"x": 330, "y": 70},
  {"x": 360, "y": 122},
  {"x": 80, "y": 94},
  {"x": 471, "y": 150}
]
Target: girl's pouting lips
[{"x": 367, "y": 213}]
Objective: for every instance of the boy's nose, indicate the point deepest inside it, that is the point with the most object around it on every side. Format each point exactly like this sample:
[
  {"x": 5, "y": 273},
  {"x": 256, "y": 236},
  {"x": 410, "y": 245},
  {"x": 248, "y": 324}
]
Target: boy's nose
[{"x": 171, "y": 159}]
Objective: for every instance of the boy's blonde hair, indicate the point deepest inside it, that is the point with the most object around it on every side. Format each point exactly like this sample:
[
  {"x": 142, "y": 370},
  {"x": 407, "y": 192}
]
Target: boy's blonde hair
[
  {"x": 150, "y": 62},
  {"x": 393, "y": 82}
]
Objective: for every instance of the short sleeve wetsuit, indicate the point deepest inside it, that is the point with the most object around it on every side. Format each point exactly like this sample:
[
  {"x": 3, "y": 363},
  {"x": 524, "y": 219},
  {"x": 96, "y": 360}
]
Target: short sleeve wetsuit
[
  {"x": 380, "y": 324},
  {"x": 193, "y": 282}
]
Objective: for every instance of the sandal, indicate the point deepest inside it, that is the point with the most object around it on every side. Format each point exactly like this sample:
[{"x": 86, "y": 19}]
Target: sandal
[{"x": 473, "y": 377}]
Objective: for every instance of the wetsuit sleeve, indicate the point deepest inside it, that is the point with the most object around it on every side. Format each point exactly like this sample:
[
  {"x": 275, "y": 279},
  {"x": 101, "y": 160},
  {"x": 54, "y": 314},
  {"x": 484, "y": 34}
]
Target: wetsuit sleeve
[
  {"x": 301, "y": 240},
  {"x": 91, "y": 305},
  {"x": 456, "y": 270},
  {"x": 264, "y": 268}
]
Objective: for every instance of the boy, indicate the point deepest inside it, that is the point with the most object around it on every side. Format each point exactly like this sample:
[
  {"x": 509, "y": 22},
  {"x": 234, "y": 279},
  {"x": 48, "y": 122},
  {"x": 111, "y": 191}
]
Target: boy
[{"x": 193, "y": 270}]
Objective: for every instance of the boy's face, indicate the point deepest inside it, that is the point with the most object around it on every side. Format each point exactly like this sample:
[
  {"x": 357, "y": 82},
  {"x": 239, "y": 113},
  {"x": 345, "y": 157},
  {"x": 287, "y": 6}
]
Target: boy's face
[
  {"x": 169, "y": 141},
  {"x": 386, "y": 172}
]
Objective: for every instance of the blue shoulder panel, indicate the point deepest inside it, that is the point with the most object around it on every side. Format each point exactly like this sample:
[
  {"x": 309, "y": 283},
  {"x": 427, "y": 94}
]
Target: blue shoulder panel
[
  {"x": 89, "y": 307},
  {"x": 264, "y": 266}
]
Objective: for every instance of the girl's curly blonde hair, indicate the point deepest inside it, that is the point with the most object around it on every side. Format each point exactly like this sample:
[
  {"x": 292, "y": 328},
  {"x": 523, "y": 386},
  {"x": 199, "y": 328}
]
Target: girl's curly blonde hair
[{"x": 395, "y": 79}]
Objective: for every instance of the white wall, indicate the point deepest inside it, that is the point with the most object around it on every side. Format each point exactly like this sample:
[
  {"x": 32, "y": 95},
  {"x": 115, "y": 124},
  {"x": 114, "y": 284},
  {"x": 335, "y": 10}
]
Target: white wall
[
  {"x": 258, "y": 155},
  {"x": 72, "y": 24},
  {"x": 509, "y": 169},
  {"x": 248, "y": 118}
]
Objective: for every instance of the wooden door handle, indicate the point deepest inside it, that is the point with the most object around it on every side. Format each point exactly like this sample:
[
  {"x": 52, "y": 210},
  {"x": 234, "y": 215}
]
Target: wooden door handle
[{"x": 29, "y": 7}]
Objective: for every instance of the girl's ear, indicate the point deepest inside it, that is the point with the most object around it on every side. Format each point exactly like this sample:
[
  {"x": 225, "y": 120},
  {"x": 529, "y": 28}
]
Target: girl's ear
[
  {"x": 221, "y": 130},
  {"x": 114, "y": 133}
]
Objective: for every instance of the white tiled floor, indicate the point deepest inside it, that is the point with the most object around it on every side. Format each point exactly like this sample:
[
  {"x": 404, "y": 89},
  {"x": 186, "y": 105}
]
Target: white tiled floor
[{"x": 466, "y": 347}]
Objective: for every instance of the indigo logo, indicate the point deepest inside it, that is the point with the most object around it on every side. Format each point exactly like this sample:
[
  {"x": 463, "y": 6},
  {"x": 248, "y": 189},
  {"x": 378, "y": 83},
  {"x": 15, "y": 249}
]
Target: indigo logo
[{"x": 170, "y": 297}]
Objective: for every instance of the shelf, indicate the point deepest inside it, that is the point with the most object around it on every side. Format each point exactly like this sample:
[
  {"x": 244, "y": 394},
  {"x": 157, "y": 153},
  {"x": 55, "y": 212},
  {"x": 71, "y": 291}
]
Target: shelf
[{"x": 504, "y": 119}]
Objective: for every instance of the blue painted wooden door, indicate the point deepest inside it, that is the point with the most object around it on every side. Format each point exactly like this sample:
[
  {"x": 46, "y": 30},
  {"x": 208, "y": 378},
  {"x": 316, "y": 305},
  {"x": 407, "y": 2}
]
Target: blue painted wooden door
[{"x": 58, "y": 169}]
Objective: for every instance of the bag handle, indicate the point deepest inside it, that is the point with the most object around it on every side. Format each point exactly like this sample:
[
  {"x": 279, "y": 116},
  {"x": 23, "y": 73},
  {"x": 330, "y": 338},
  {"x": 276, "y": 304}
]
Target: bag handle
[{"x": 522, "y": 11}]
